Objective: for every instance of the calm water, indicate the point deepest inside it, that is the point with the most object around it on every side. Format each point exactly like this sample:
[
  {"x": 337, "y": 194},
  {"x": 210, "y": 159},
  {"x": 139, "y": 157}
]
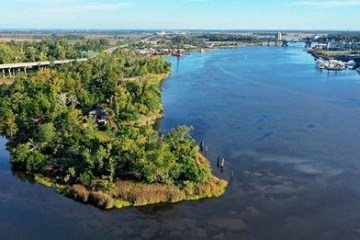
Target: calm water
[{"x": 289, "y": 133}]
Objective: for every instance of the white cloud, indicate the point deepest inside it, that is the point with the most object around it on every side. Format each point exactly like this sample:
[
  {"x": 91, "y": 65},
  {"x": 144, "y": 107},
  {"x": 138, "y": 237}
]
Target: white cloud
[{"x": 328, "y": 4}]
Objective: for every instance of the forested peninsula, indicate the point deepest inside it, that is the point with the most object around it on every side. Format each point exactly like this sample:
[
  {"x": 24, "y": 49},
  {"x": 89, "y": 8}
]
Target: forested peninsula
[{"x": 87, "y": 130}]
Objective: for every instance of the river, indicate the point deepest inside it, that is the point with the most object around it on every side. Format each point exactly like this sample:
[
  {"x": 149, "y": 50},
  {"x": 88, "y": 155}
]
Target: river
[{"x": 290, "y": 136}]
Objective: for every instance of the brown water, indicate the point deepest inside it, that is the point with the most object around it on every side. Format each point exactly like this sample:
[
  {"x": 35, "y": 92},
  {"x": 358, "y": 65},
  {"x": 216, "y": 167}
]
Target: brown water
[{"x": 289, "y": 133}]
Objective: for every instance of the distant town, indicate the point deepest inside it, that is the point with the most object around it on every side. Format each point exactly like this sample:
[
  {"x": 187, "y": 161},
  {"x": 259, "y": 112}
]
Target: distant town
[{"x": 334, "y": 51}]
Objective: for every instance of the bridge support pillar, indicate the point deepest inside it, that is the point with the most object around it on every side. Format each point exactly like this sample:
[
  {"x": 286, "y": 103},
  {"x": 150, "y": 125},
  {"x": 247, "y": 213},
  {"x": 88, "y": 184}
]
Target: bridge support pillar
[
  {"x": 3, "y": 73},
  {"x": 9, "y": 72},
  {"x": 25, "y": 70}
]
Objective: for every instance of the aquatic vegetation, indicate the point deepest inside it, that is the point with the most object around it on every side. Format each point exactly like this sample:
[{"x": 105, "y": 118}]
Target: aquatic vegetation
[
  {"x": 101, "y": 199},
  {"x": 43, "y": 181},
  {"x": 127, "y": 193},
  {"x": 78, "y": 192}
]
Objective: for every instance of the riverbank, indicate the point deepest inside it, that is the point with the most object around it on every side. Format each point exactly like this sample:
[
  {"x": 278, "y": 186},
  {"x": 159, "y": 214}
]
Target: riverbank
[
  {"x": 201, "y": 48},
  {"x": 336, "y": 60},
  {"x": 307, "y": 133},
  {"x": 122, "y": 194},
  {"x": 152, "y": 118},
  {"x": 160, "y": 168},
  {"x": 330, "y": 55}
]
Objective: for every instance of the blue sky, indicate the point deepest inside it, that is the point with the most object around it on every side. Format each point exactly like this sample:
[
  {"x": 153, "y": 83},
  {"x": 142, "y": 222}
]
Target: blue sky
[{"x": 181, "y": 14}]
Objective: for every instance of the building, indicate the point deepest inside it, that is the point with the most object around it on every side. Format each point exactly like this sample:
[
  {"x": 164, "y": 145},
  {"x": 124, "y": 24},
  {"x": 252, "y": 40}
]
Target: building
[
  {"x": 321, "y": 46},
  {"x": 278, "y": 37},
  {"x": 100, "y": 115},
  {"x": 161, "y": 33},
  {"x": 209, "y": 45}
]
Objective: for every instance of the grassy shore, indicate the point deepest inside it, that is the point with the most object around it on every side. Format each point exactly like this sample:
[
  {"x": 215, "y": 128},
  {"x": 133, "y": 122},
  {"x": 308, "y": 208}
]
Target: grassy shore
[
  {"x": 122, "y": 194},
  {"x": 126, "y": 193},
  {"x": 330, "y": 54}
]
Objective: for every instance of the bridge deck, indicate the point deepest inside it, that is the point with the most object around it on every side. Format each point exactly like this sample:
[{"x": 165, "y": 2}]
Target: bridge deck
[{"x": 39, "y": 64}]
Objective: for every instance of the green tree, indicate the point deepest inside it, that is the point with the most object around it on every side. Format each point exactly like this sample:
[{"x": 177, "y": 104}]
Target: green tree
[{"x": 46, "y": 134}]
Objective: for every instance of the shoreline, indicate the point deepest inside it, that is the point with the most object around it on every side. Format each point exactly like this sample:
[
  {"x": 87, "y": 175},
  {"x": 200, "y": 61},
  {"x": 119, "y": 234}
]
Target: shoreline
[
  {"x": 134, "y": 194},
  {"x": 124, "y": 193},
  {"x": 199, "y": 49},
  {"x": 330, "y": 55},
  {"x": 344, "y": 60}
]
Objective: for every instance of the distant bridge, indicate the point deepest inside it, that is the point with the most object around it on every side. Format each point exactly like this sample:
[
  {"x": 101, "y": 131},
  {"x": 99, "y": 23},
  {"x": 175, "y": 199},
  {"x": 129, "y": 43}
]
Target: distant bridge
[{"x": 12, "y": 68}]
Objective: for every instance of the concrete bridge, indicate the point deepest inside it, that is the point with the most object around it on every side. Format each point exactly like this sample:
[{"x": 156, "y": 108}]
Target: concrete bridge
[{"x": 11, "y": 69}]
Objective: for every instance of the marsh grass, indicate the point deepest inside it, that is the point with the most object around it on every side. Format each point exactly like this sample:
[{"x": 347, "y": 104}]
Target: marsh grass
[
  {"x": 129, "y": 193},
  {"x": 43, "y": 180},
  {"x": 101, "y": 200},
  {"x": 78, "y": 192},
  {"x": 140, "y": 194},
  {"x": 121, "y": 194},
  {"x": 149, "y": 119}
]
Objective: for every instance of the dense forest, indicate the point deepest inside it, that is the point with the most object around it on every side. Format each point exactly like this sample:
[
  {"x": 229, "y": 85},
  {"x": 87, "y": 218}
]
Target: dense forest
[
  {"x": 81, "y": 124},
  {"x": 353, "y": 37},
  {"x": 56, "y": 48},
  {"x": 232, "y": 38}
]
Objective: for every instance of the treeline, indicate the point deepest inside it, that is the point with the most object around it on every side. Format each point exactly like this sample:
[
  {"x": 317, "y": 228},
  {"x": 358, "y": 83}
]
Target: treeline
[
  {"x": 231, "y": 37},
  {"x": 56, "y": 48},
  {"x": 53, "y": 130},
  {"x": 341, "y": 37},
  {"x": 186, "y": 39}
]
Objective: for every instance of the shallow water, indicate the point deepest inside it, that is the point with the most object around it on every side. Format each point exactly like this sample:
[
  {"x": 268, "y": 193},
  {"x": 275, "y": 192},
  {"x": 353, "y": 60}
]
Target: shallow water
[{"x": 289, "y": 133}]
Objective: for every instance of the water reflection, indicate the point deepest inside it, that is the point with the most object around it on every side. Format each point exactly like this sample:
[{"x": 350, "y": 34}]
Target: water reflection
[
  {"x": 23, "y": 177},
  {"x": 178, "y": 59}
]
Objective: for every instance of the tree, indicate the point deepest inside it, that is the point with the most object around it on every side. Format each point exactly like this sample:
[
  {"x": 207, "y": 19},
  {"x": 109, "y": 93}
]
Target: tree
[
  {"x": 28, "y": 159},
  {"x": 6, "y": 54},
  {"x": 10, "y": 126},
  {"x": 46, "y": 134},
  {"x": 82, "y": 120}
]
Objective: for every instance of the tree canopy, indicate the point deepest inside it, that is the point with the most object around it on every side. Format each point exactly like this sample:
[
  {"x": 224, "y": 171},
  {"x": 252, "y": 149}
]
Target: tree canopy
[
  {"x": 79, "y": 123},
  {"x": 56, "y": 48}
]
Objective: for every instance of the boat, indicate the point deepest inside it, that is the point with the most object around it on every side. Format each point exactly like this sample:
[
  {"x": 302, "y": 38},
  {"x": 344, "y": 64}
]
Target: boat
[
  {"x": 285, "y": 43},
  {"x": 350, "y": 64},
  {"x": 330, "y": 65},
  {"x": 335, "y": 65},
  {"x": 320, "y": 63},
  {"x": 177, "y": 53}
]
